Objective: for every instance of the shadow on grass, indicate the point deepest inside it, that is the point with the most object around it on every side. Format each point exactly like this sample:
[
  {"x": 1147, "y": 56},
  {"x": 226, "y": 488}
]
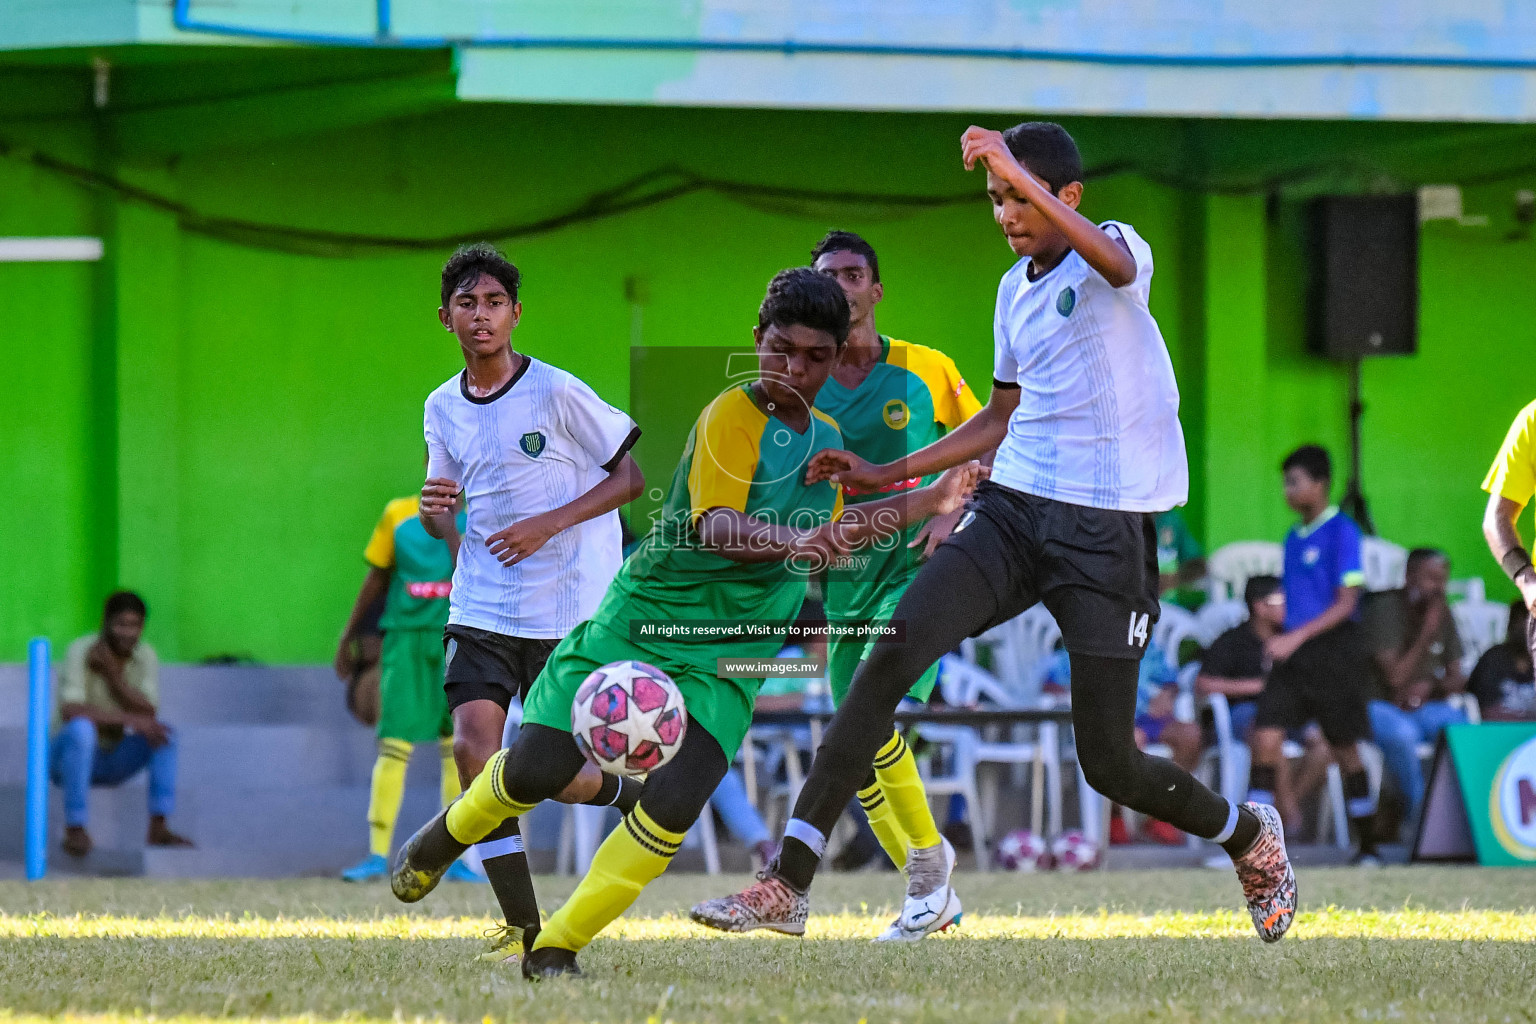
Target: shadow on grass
[{"x": 752, "y": 979}]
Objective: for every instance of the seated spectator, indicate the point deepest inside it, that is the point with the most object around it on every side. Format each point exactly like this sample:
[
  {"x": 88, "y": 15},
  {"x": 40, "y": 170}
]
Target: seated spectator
[
  {"x": 110, "y": 729},
  {"x": 1503, "y": 681},
  {"x": 1180, "y": 562},
  {"x": 1317, "y": 666},
  {"x": 1235, "y": 667},
  {"x": 1415, "y": 665}
]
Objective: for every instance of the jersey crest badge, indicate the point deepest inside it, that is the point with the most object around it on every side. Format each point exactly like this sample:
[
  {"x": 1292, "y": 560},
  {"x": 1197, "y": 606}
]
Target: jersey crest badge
[
  {"x": 896, "y": 414},
  {"x": 1066, "y": 302},
  {"x": 532, "y": 444}
]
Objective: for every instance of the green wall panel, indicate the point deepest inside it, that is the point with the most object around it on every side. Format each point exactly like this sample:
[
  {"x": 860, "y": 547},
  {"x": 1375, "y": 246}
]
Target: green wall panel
[{"x": 266, "y": 404}]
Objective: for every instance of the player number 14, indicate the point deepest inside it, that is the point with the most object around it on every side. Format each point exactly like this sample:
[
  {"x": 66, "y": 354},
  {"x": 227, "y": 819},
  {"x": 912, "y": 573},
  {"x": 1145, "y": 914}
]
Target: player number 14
[{"x": 1136, "y": 635}]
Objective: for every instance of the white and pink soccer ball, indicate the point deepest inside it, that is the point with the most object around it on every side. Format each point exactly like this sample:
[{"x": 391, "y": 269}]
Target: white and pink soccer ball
[
  {"x": 1074, "y": 851},
  {"x": 628, "y": 718},
  {"x": 1023, "y": 851}
]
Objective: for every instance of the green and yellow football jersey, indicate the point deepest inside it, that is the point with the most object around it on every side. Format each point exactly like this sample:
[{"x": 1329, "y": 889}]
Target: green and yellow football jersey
[
  {"x": 739, "y": 457},
  {"x": 912, "y": 397},
  {"x": 420, "y": 565}
]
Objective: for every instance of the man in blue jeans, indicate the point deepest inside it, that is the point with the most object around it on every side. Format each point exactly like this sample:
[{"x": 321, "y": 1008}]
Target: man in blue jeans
[
  {"x": 1415, "y": 665},
  {"x": 108, "y": 692}
]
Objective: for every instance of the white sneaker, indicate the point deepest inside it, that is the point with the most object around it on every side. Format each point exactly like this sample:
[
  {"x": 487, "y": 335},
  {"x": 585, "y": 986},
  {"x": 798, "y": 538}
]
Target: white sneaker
[{"x": 925, "y": 915}]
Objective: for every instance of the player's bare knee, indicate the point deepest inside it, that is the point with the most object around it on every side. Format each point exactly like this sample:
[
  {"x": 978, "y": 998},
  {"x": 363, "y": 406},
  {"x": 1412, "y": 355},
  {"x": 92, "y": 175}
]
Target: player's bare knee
[{"x": 583, "y": 787}]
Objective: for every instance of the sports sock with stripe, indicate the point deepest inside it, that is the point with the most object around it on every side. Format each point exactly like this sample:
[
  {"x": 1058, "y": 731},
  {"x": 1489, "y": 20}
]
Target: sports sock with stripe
[
  {"x": 506, "y": 865},
  {"x": 896, "y": 769},
  {"x": 619, "y": 791},
  {"x": 634, "y": 854},
  {"x": 385, "y": 794},
  {"x": 883, "y": 822},
  {"x": 485, "y": 804},
  {"x": 799, "y": 853}
]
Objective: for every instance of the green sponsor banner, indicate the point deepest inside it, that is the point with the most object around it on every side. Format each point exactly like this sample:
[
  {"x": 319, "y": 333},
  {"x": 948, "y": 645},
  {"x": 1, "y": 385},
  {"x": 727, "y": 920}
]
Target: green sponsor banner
[{"x": 1482, "y": 796}]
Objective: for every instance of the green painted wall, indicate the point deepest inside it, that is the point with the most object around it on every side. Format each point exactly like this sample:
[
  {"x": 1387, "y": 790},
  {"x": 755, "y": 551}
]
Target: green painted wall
[{"x": 266, "y": 405}]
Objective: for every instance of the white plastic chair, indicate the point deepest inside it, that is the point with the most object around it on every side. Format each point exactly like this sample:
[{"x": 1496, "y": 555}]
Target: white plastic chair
[
  {"x": 1480, "y": 625},
  {"x": 961, "y": 743},
  {"x": 966, "y": 685},
  {"x": 1469, "y": 589},
  {"x": 1231, "y": 566},
  {"x": 1174, "y": 626},
  {"x": 1229, "y": 759},
  {"x": 1216, "y": 617},
  {"x": 1334, "y": 810},
  {"x": 1019, "y": 649},
  {"x": 1384, "y": 563}
]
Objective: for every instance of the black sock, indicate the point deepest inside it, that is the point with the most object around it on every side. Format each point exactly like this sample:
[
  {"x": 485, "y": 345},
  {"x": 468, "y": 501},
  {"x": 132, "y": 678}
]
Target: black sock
[
  {"x": 507, "y": 869},
  {"x": 619, "y": 791},
  {"x": 1362, "y": 810},
  {"x": 795, "y": 864},
  {"x": 1243, "y": 834}
]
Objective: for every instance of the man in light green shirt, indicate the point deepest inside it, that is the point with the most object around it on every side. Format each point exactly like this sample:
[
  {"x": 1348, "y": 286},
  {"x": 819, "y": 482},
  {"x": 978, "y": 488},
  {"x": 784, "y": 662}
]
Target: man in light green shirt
[{"x": 109, "y": 725}]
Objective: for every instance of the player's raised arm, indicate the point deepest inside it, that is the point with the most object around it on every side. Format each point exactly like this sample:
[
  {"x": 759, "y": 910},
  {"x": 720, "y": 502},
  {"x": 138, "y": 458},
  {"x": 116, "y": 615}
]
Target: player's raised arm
[
  {"x": 871, "y": 520},
  {"x": 973, "y": 439},
  {"x": 1102, "y": 251}
]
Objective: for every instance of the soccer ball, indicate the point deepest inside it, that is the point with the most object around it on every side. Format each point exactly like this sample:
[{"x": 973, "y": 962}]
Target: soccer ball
[
  {"x": 628, "y": 718},
  {"x": 1022, "y": 850},
  {"x": 1075, "y": 852}
]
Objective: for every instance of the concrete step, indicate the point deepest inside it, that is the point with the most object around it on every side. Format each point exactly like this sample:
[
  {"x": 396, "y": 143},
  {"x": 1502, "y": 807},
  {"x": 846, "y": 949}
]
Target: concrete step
[
  {"x": 217, "y": 694},
  {"x": 254, "y": 756}
]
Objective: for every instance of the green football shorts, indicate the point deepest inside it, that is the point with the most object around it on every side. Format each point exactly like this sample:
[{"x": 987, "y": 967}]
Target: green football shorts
[
  {"x": 845, "y": 653},
  {"x": 412, "y": 705},
  {"x": 722, "y": 707}
]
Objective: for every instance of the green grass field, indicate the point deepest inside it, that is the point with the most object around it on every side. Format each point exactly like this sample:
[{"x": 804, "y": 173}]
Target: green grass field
[{"x": 1397, "y": 944}]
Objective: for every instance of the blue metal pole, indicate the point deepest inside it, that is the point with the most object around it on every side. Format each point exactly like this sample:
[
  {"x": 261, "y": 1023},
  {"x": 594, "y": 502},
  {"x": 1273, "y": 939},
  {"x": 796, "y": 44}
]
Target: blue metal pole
[{"x": 39, "y": 711}]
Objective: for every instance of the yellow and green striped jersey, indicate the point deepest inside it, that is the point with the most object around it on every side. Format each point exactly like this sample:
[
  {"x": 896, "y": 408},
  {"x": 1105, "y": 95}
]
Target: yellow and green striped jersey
[
  {"x": 420, "y": 568},
  {"x": 912, "y": 397},
  {"x": 739, "y": 457}
]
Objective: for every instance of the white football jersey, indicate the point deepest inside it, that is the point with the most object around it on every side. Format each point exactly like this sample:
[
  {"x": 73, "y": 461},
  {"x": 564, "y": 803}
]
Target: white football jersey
[
  {"x": 542, "y": 440},
  {"x": 1098, "y": 416}
]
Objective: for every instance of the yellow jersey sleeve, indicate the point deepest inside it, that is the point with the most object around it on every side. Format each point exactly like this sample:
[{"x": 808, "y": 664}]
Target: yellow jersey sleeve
[
  {"x": 953, "y": 400},
  {"x": 1513, "y": 474},
  {"x": 380, "y": 552},
  {"x": 726, "y": 440}
]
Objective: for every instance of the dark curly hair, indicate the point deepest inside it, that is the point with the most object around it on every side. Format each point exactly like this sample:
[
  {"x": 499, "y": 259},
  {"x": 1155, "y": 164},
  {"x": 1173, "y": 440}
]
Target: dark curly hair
[
  {"x": 802, "y": 296},
  {"x": 471, "y": 260}
]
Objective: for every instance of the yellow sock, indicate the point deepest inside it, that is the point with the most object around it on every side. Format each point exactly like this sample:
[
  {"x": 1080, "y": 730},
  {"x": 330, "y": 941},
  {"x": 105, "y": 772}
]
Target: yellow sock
[
  {"x": 896, "y": 769},
  {"x": 450, "y": 778},
  {"x": 386, "y": 793},
  {"x": 485, "y": 804},
  {"x": 892, "y": 839},
  {"x": 633, "y": 854}
]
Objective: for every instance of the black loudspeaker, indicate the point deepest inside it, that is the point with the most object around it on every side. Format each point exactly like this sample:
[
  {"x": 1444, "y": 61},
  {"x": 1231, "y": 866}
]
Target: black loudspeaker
[{"x": 1365, "y": 276}]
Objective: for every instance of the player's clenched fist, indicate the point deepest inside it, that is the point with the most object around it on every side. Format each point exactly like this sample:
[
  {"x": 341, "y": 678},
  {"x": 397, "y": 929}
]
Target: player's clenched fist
[{"x": 439, "y": 495}]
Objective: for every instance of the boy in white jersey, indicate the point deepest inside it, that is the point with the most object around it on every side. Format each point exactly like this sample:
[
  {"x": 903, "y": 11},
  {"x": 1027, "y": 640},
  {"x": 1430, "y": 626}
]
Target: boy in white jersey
[
  {"x": 1084, "y": 413},
  {"x": 544, "y": 465}
]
